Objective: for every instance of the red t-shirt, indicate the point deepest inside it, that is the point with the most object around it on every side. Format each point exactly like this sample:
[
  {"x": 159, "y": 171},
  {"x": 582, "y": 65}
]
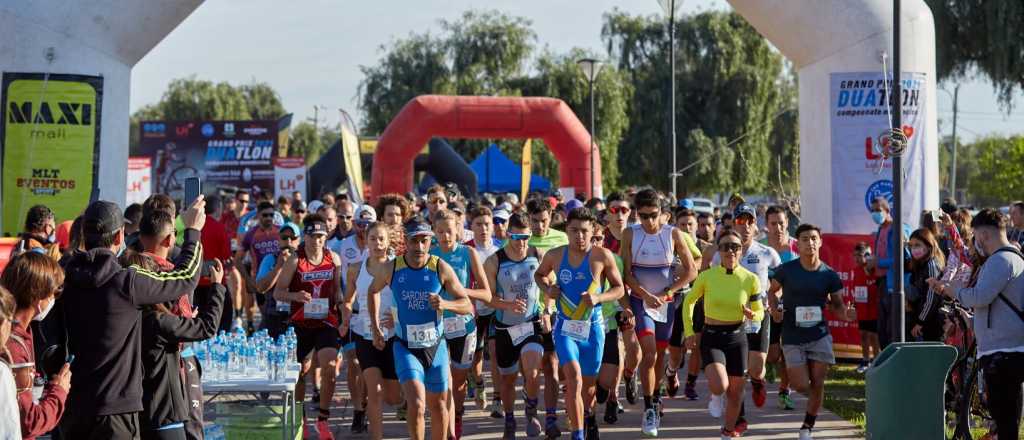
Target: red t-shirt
[
  {"x": 230, "y": 222},
  {"x": 865, "y": 295},
  {"x": 216, "y": 244}
]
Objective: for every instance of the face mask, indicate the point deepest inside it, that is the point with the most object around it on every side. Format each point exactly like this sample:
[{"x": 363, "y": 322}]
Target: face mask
[
  {"x": 42, "y": 313},
  {"x": 918, "y": 252},
  {"x": 878, "y": 217}
]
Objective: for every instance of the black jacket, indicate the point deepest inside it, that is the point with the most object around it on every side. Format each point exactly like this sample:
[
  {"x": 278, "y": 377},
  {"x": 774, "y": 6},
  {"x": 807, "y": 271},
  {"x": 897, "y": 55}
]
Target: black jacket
[
  {"x": 102, "y": 303},
  {"x": 163, "y": 389}
]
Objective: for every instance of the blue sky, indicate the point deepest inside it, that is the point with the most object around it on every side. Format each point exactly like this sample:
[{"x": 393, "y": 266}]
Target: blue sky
[{"x": 311, "y": 50}]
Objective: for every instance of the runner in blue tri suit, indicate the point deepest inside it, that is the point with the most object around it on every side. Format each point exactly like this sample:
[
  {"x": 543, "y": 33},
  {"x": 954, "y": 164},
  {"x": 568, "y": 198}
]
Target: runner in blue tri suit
[
  {"x": 579, "y": 330},
  {"x": 416, "y": 279},
  {"x": 460, "y": 329}
]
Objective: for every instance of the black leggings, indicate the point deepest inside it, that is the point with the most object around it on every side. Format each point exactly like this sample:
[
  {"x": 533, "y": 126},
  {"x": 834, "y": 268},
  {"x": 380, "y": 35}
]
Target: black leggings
[{"x": 1004, "y": 374}]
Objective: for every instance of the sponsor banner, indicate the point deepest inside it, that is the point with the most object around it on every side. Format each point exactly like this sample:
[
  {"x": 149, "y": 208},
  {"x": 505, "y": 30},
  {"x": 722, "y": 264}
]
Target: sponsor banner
[
  {"x": 527, "y": 168},
  {"x": 224, "y": 154},
  {"x": 140, "y": 179},
  {"x": 352, "y": 159},
  {"x": 837, "y": 252},
  {"x": 859, "y": 114},
  {"x": 50, "y": 143},
  {"x": 289, "y": 176}
]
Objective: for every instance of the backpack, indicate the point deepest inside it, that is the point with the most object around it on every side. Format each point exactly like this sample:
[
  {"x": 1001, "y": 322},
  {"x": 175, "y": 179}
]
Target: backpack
[{"x": 1019, "y": 312}]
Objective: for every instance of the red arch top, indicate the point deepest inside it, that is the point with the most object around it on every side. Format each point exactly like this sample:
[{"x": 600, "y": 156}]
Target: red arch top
[{"x": 483, "y": 117}]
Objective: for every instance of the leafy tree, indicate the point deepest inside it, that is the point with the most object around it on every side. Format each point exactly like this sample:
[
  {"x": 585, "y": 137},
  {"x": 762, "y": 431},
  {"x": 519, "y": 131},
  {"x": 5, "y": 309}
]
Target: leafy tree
[
  {"x": 998, "y": 178},
  {"x": 486, "y": 49},
  {"x": 409, "y": 68}
]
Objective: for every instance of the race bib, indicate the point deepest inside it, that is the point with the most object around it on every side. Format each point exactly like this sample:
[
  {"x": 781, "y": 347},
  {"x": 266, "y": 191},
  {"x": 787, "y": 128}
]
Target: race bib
[
  {"x": 316, "y": 308},
  {"x": 659, "y": 314},
  {"x": 860, "y": 294},
  {"x": 361, "y": 325},
  {"x": 751, "y": 326},
  {"x": 454, "y": 327},
  {"x": 808, "y": 316},
  {"x": 284, "y": 307},
  {"x": 468, "y": 349},
  {"x": 576, "y": 329},
  {"x": 421, "y": 335},
  {"x": 520, "y": 332}
]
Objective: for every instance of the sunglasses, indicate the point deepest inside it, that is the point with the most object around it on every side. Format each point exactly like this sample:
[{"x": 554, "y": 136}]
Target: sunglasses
[
  {"x": 648, "y": 215},
  {"x": 499, "y": 221},
  {"x": 438, "y": 202},
  {"x": 619, "y": 210},
  {"x": 345, "y": 217},
  {"x": 518, "y": 237},
  {"x": 300, "y": 211},
  {"x": 267, "y": 214},
  {"x": 729, "y": 247},
  {"x": 289, "y": 237}
]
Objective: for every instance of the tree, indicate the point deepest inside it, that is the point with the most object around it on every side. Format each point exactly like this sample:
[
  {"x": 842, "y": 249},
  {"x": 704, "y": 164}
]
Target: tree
[
  {"x": 998, "y": 178},
  {"x": 982, "y": 36},
  {"x": 730, "y": 86}
]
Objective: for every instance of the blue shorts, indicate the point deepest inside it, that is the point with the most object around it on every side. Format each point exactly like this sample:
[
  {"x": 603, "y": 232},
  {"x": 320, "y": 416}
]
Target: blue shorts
[
  {"x": 586, "y": 353},
  {"x": 408, "y": 367},
  {"x": 645, "y": 325}
]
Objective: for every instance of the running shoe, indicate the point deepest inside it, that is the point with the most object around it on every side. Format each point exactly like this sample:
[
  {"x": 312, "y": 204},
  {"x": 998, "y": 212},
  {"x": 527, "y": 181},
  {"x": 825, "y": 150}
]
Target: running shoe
[
  {"x": 715, "y": 406},
  {"x": 611, "y": 412},
  {"x": 786, "y": 402},
  {"x": 690, "y": 391},
  {"x": 862, "y": 368},
  {"x": 359, "y": 422},
  {"x": 533, "y": 425},
  {"x": 650, "y": 426},
  {"x": 470, "y": 387},
  {"x": 760, "y": 394},
  {"x": 496, "y": 410},
  {"x": 324, "y": 430},
  {"x": 741, "y": 426},
  {"x": 805, "y": 434},
  {"x": 673, "y": 384},
  {"x": 510, "y": 430},
  {"x": 631, "y": 389},
  {"x": 727, "y": 434},
  {"x": 590, "y": 431}
]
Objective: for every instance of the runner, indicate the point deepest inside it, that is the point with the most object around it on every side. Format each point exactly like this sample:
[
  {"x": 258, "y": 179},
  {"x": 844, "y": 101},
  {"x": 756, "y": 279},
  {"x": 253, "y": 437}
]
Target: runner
[
  {"x": 378, "y": 366},
  {"x": 416, "y": 280},
  {"x": 649, "y": 250},
  {"x": 352, "y": 250},
  {"x": 807, "y": 285},
  {"x": 257, "y": 243},
  {"x": 618, "y": 222},
  {"x": 311, "y": 280},
  {"x": 732, "y": 297},
  {"x": 611, "y": 365},
  {"x": 483, "y": 224},
  {"x": 686, "y": 221},
  {"x": 460, "y": 329},
  {"x": 516, "y": 302},
  {"x": 778, "y": 238},
  {"x": 579, "y": 332},
  {"x": 760, "y": 260}
]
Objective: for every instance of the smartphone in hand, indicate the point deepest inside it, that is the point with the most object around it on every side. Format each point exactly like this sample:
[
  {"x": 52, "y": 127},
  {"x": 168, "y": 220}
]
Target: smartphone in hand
[{"x": 193, "y": 188}]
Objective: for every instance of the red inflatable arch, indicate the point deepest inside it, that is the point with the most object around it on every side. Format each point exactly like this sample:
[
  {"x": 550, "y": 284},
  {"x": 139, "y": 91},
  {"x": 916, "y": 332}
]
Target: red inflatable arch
[{"x": 483, "y": 117}]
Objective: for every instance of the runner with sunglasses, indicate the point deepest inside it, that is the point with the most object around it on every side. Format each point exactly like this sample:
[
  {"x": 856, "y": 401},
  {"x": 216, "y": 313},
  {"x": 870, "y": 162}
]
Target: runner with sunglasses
[
  {"x": 579, "y": 331},
  {"x": 611, "y": 359},
  {"x": 731, "y": 297},
  {"x": 649, "y": 251},
  {"x": 618, "y": 221},
  {"x": 516, "y": 326}
]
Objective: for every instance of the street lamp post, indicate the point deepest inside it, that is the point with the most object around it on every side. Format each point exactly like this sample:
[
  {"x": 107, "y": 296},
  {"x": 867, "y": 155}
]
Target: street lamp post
[
  {"x": 670, "y": 7},
  {"x": 591, "y": 68}
]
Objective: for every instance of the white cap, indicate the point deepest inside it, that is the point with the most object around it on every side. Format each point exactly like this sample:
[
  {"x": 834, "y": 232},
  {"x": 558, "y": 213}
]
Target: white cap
[
  {"x": 314, "y": 206},
  {"x": 366, "y": 213},
  {"x": 502, "y": 214}
]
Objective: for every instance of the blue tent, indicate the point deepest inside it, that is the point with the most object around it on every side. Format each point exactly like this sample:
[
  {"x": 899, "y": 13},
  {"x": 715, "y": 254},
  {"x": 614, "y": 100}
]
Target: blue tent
[{"x": 496, "y": 173}]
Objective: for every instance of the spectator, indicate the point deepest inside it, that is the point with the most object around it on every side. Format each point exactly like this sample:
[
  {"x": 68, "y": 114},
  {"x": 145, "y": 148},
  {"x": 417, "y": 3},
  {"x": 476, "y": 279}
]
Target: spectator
[
  {"x": 63, "y": 235},
  {"x": 1016, "y": 232},
  {"x": 888, "y": 329},
  {"x": 39, "y": 235},
  {"x": 106, "y": 388},
  {"x": 155, "y": 202},
  {"x": 35, "y": 280},
  {"x": 997, "y": 299},
  {"x": 217, "y": 247},
  {"x": 865, "y": 298},
  {"x": 132, "y": 217},
  {"x": 927, "y": 262},
  {"x": 932, "y": 221},
  {"x": 10, "y": 421}
]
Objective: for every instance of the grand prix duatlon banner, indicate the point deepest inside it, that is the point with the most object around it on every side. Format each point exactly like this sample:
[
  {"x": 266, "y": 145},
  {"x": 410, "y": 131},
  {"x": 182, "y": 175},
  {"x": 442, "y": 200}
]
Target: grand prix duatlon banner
[{"x": 50, "y": 143}]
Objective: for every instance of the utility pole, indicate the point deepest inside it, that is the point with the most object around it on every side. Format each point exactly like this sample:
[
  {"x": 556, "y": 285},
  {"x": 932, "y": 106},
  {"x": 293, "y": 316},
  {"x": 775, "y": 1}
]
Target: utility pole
[
  {"x": 897, "y": 176},
  {"x": 670, "y": 9},
  {"x": 952, "y": 166}
]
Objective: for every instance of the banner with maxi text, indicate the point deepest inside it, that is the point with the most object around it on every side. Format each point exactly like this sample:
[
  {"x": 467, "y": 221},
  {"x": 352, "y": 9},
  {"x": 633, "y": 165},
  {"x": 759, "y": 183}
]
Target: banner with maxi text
[{"x": 50, "y": 143}]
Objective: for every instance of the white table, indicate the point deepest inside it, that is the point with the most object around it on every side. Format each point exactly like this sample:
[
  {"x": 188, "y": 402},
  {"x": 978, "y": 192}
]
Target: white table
[{"x": 255, "y": 383}]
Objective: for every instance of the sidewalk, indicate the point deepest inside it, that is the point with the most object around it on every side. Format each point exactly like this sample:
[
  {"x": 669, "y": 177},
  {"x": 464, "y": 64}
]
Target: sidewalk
[{"x": 683, "y": 420}]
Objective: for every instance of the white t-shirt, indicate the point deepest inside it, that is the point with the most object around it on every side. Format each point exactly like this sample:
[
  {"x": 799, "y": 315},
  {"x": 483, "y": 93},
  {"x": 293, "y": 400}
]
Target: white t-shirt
[
  {"x": 759, "y": 259},
  {"x": 10, "y": 421},
  {"x": 350, "y": 253}
]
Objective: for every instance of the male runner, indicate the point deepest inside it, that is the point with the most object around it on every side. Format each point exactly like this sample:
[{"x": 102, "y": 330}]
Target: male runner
[
  {"x": 777, "y": 222},
  {"x": 618, "y": 222},
  {"x": 482, "y": 223},
  {"x": 579, "y": 331}
]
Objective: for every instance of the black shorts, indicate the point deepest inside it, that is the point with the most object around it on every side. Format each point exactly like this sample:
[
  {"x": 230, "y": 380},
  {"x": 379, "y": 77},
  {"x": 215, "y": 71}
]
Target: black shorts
[
  {"x": 676, "y": 340},
  {"x": 759, "y": 341},
  {"x": 508, "y": 354},
  {"x": 698, "y": 316},
  {"x": 775, "y": 331},
  {"x": 347, "y": 342},
  {"x": 611, "y": 348},
  {"x": 868, "y": 326},
  {"x": 484, "y": 330},
  {"x": 319, "y": 338},
  {"x": 547, "y": 341},
  {"x": 370, "y": 357},
  {"x": 725, "y": 344},
  {"x": 461, "y": 356}
]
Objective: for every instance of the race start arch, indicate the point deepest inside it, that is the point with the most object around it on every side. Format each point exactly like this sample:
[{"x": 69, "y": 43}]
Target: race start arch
[{"x": 484, "y": 117}]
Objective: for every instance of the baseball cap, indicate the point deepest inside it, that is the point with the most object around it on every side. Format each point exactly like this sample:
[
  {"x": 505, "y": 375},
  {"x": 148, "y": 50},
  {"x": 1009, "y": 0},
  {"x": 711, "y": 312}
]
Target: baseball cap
[
  {"x": 573, "y": 204},
  {"x": 416, "y": 227},
  {"x": 744, "y": 208},
  {"x": 686, "y": 203},
  {"x": 291, "y": 227},
  {"x": 102, "y": 217},
  {"x": 502, "y": 214},
  {"x": 504, "y": 207},
  {"x": 300, "y": 206},
  {"x": 314, "y": 206},
  {"x": 316, "y": 228},
  {"x": 365, "y": 215}
]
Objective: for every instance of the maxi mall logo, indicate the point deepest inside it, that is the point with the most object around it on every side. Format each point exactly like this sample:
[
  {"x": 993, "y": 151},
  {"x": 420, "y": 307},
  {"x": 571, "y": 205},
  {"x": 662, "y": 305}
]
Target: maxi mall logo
[{"x": 67, "y": 113}]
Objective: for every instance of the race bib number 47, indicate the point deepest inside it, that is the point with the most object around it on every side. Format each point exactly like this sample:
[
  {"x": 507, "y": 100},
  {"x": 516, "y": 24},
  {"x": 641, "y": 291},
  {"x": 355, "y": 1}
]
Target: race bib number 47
[{"x": 808, "y": 316}]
